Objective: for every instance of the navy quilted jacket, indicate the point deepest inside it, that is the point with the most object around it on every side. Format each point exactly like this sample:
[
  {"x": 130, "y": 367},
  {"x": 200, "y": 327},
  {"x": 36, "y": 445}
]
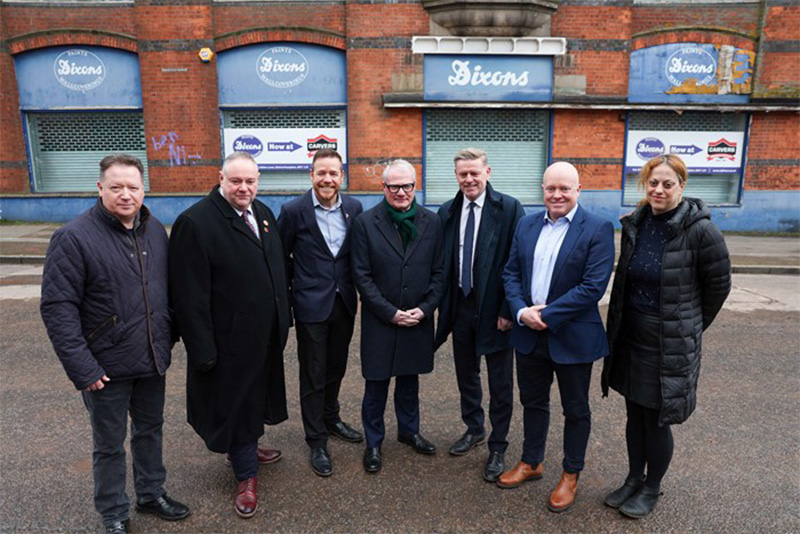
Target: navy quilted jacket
[{"x": 104, "y": 297}]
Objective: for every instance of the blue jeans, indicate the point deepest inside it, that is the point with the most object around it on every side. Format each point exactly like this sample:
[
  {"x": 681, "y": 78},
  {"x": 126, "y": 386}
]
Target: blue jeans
[{"x": 108, "y": 410}]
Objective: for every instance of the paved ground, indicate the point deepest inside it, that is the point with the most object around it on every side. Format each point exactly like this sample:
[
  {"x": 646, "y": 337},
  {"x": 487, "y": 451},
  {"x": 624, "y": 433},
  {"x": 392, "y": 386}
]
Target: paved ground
[{"x": 735, "y": 467}]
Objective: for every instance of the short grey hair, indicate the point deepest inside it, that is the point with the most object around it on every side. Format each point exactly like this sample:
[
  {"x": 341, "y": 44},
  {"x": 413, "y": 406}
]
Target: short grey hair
[
  {"x": 237, "y": 156},
  {"x": 400, "y": 164},
  {"x": 470, "y": 154}
]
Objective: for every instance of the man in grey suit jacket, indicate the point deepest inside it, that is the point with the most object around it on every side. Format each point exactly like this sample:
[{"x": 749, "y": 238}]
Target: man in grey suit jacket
[{"x": 315, "y": 232}]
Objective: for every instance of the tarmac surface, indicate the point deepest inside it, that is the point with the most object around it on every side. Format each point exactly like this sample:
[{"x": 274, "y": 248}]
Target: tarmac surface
[{"x": 735, "y": 467}]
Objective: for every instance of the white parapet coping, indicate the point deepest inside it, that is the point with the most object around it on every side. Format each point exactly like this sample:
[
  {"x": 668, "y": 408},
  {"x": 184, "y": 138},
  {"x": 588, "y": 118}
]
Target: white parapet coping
[{"x": 523, "y": 46}]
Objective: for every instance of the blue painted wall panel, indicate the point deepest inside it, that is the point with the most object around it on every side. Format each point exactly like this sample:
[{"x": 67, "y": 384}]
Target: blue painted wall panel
[
  {"x": 658, "y": 69},
  {"x": 75, "y": 77},
  {"x": 282, "y": 73},
  {"x": 761, "y": 211},
  {"x": 488, "y": 78}
]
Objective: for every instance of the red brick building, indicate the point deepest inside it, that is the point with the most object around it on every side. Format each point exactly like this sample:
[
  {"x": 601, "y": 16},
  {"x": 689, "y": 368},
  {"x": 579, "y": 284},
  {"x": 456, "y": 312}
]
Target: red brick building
[{"x": 600, "y": 83}]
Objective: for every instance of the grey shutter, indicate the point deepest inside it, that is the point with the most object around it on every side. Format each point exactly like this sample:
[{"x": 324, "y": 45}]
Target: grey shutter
[
  {"x": 516, "y": 142},
  {"x": 66, "y": 148},
  {"x": 712, "y": 188},
  {"x": 285, "y": 118}
]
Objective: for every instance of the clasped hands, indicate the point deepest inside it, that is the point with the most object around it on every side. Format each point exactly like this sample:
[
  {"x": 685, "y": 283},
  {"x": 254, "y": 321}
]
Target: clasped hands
[
  {"x": 532, "y": 317},
  {"x": 410, "y": 317}
]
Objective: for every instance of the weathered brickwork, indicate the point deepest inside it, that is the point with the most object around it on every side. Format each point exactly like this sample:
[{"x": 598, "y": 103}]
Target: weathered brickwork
[{"x": 180, "y": 95}]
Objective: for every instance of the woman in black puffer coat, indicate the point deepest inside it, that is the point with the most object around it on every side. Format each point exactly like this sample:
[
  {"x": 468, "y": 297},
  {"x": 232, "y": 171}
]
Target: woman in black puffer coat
[{"x": 673, "y": 275}]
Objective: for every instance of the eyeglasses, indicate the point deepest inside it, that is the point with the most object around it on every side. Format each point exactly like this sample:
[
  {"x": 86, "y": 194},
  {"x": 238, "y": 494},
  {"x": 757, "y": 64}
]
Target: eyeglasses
[{"x": 394, "y": 188}]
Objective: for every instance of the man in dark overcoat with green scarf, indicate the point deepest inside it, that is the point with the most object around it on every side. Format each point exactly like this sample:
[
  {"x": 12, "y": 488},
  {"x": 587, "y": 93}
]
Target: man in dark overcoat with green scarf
[{"x": 397, "y": 266}]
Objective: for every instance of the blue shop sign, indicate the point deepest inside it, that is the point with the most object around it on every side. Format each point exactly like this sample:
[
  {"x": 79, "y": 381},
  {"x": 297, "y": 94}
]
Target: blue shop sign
[
  {"x": 78, "y": 77},
  {"x": 691, "y": 73},
  {"x": 282, "y": 73},
  {"x": 488, "y": 78}
]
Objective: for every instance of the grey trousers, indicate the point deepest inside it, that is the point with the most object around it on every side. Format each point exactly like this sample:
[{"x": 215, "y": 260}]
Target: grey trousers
[{"x": 143, "y": 399}]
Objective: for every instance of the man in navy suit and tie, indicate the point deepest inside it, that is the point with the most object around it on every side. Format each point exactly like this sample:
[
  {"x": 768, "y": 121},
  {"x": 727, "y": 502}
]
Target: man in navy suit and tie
[
  {"x": 315, "y": 232},
  {"x": 557, "y": 271}
]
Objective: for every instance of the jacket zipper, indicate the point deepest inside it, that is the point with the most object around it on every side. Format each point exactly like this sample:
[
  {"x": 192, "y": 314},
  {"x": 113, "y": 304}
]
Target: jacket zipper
[{"x": 94, "y": 333}]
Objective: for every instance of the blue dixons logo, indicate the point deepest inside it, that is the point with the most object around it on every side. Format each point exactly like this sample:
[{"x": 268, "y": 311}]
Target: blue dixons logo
[
  {"x": 79, "y": 70},
  {"x": 282, "y": 67},
  {"x": 248, "y": 143},
  {"x": 649, "y": 147},
  {"x": 691, "y": 62}
]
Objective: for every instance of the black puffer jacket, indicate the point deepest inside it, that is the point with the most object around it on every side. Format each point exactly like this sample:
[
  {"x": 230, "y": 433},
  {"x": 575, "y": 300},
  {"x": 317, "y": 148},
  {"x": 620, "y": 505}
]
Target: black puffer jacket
[
  {"x": 695, "y": 281},
  {"x": 104, "y": 297}
]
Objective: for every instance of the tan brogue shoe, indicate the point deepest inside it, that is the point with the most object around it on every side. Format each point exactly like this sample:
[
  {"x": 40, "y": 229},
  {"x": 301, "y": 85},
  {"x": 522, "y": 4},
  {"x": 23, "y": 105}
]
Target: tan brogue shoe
[
  {"x": 246, "y": 502},
  {"x": 564, "y": 495},
  {"x": 521, "y": 473}
]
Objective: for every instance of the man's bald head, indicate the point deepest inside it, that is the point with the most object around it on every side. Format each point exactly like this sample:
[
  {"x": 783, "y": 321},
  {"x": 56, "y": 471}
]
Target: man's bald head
[{"x": 562, "y": 187}]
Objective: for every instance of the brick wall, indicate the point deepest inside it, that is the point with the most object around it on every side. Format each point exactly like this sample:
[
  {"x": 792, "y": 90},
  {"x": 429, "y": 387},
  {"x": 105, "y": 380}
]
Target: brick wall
[{"x": 773, "y": 151}]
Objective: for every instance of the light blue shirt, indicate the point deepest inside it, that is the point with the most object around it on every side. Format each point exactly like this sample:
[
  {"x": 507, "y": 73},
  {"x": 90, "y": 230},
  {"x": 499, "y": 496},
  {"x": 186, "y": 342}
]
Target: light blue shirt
[
  {"x": 331, "y": 223},
  {"x": 545, "y": 255}
]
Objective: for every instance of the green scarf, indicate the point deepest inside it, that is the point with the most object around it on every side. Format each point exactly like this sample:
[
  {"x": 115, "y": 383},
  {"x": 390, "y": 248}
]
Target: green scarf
[{"x": 404, "y": 221}]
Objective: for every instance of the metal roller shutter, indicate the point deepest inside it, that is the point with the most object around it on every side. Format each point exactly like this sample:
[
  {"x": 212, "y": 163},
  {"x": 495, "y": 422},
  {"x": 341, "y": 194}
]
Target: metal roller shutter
[
  {"x": 516, "y": 142},
  {"x": 285, "y": 118},
  {"x": 67, "y": 147},
  {"x": 712, "y": 188}
]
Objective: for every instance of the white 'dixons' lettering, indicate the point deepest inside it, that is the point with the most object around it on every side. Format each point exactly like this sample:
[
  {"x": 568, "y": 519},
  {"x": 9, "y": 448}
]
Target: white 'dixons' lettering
[
  {"x": 68, "y": 68},
  {"x": 476, "y": 76},
  {"x": 269, "y": 64}
]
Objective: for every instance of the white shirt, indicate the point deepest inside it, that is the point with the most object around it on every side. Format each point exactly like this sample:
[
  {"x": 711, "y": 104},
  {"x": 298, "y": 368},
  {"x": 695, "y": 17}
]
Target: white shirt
[{"x": 478, "y": 209}]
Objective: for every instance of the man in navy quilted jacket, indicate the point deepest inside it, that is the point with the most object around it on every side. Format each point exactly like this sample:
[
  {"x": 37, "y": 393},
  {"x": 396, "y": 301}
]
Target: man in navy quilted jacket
[{"x": 104, "y": 303}]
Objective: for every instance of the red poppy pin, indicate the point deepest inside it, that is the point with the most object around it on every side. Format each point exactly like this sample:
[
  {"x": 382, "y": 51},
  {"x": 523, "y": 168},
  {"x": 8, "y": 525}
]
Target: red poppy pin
[{"x": 266, "y": 226}]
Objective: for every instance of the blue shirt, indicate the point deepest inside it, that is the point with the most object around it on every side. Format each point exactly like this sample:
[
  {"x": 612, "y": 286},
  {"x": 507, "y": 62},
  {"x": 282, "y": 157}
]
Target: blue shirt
[
  {"x": 331, "y": 223},
  {"x": 545, "y": 255}
]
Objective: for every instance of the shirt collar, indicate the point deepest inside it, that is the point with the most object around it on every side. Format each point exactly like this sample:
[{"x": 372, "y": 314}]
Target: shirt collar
[
  {"x": 478, "y": 201},
  {"x": 317, "y": 203},
  {"x": 569, "y": 216}
]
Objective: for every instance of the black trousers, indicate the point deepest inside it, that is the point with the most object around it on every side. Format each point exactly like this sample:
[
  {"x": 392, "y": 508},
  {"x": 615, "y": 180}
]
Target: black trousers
[
  {"x": 406, "y": 407},
  {"x": 535, "y": 377},
  {"x": 500, "y": 370},
  {"x": 322, "y": 349}
]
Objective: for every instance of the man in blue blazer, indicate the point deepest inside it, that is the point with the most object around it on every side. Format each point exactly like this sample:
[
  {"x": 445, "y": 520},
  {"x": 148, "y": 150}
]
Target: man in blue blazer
[
  {"x": 315, "y": 232},
  {"x": 558, "y": 269}
]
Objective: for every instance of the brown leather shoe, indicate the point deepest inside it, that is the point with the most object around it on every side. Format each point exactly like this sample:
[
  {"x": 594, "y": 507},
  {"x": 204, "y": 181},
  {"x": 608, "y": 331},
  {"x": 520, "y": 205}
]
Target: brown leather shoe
[
  {"x": 521, "y": 473},
  {"x": 265, "y": 456},
  {"x": 564, "y": 495},
  {"x": 246, "y": 502}
]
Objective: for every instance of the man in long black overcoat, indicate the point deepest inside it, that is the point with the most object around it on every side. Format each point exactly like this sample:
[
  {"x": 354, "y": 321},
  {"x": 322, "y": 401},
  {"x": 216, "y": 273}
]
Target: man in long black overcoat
[
  {"x": 397, "y": 267},
  {"x": 228, "y": 290}
]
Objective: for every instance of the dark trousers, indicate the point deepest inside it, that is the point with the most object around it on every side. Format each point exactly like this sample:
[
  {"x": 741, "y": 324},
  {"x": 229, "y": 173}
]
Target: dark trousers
[
  {"x": 406, "y": 407},
  {"x": 244, "y": 460},
  {"x": 500, "y": 370},
  {"x": 535, "y": 377},
  {"x": 322, "y": 349},
  {"x": 143, "y": 399}
]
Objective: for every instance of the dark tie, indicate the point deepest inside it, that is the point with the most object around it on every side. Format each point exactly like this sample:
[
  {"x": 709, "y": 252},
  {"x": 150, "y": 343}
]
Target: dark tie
[
  {"x": 466, "y": 262},
  {"x": 248, "y": 223}
]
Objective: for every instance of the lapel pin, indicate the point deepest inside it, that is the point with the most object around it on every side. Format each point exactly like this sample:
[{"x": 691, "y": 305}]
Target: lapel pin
[{"x": 266, "y": 225}]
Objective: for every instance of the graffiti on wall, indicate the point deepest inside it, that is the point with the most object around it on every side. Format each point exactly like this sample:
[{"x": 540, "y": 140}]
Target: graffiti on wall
[{"x": 177, "y": 152}]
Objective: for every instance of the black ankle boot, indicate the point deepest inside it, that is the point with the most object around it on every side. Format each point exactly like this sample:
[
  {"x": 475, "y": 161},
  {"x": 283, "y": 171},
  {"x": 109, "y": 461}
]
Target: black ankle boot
[
  {"x": 641, "y": 504},
  {"x": 617, "y": 498}
]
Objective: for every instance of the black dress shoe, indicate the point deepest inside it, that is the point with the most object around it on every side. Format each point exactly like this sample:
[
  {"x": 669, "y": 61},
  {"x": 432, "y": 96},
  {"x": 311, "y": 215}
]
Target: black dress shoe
[
  {"x": 165, "y": 508},
  {"x": 495, "y": 465},
  {"x": 420, "y": 444},
  {"x": 372, "y": 460},
  {"x": 345, "y": 432},
  {"x": 321, "y": 462},
  {"x": 617, "y": 498},
  {"x": 118, "y": 527},
  {"x": 641, "y": 504},
  {"x": 467, "y": 443}
]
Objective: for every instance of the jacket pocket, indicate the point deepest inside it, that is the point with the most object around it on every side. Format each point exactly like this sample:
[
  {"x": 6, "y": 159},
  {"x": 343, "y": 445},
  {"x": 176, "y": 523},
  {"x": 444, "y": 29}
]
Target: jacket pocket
[{"x": 104, "y": 327}]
